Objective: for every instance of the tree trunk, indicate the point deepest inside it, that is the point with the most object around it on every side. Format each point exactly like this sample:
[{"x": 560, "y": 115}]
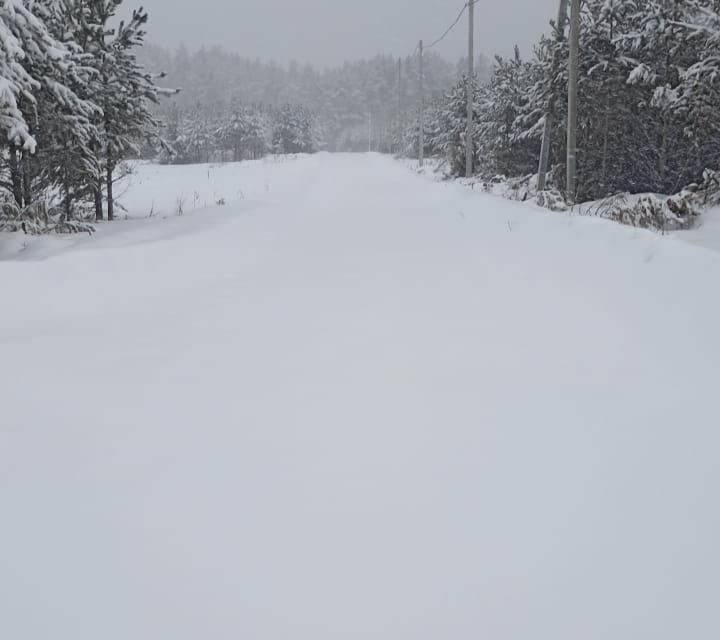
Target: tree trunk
[
  {"x": 606, "y": 140},
  {"x": 663, "y": 156},
  {"x": 109, "y": 187},
  {"x": 606, "y": 128},
  {"x": 27, "y": 179},
  {"x": 67, "y": 199},
  {"x": 15, "y": 176},
  {"x": 97, "y": 195}
]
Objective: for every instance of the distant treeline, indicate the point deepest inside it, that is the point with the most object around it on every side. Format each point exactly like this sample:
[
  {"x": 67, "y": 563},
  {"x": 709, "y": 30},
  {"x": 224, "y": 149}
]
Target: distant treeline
[
  {"x": 355, "y": 104},
  {"x": 201, "y": 134}
]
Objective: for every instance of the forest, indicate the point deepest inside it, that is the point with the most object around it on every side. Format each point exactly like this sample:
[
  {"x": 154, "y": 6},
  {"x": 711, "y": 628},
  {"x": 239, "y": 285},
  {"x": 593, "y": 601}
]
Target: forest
[
  {"x": 83, "y": 92},
  {"x": 361, "y": 105},
  {"x": 648, "y": 101}
]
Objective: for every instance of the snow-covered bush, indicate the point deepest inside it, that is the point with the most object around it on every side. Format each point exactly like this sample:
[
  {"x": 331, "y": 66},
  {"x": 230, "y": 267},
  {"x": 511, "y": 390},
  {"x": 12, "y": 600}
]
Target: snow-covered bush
[
  {"x": 551, "y": 199},
  {"x": 40, "y": 219},
  {"x": 521, "y": 189},
  {"x": 660, "y": 214},
  {"x": 33, "y": 219}
]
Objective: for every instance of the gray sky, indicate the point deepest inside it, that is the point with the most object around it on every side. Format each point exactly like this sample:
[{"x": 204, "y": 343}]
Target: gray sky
[{"x": 328, "y": 32}]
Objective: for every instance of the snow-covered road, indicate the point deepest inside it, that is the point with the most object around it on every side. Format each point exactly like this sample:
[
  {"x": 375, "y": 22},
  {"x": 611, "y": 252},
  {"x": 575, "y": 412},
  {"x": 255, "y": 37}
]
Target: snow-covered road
[{"x": 354, "y": 403}]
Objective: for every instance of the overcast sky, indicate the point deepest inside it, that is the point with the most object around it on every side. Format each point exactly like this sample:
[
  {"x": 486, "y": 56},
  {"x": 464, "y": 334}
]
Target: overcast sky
[{"x": 328, "y": 32}]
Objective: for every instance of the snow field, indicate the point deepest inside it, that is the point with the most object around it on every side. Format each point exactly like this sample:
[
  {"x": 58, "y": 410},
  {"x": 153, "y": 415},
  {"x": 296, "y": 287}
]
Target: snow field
[{"x": 353, "y": 402}]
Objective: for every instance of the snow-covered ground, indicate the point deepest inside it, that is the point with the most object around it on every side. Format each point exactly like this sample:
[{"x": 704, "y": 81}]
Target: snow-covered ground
[
  {"x": 707, "y": 233},
  {"x": 356, "y": 403}
]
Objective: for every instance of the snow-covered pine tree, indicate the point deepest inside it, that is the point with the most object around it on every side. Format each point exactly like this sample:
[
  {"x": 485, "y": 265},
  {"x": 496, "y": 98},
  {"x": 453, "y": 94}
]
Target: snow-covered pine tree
[
  {"x": 39, "y": 77},
  {"x": 293, "y": 131},
  {"x": 22, "y": 35},
  {"x": 447, "y": 125},
  {"x": 505, "y": 145},
  {"x": 128, "y": 89},
  {"x": 233, "y": 130},
  {"x": 608, "y": 126},
  {"x": 698, "y": 95},
  {"x": 259, "y": 133},
  {"x": 648, "y": 98},
  {"x": 196, "y": 138},
  {"x": 63, "y": 122},
  {"x": 661, "y": 56}
]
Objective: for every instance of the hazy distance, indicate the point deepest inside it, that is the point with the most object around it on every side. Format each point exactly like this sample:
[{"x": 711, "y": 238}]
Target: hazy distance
[{"x": 327, "y": 32}]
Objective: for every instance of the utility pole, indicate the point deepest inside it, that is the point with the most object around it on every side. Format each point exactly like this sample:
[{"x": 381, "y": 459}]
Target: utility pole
[
  {"x": 370, "y": 130},
  {"x": 422, "y": 108},
  {"x": 470, "y": 85},
  {"x": 550, "y": 113},
  {"x": 572, "y": 99},
  {"x": 398, "y": 118}
]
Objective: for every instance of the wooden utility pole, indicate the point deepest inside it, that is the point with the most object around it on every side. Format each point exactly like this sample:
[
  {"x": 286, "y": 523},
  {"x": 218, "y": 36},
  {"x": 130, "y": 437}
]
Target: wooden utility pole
[
  {"x": 550, "y": 113},
  {"x": 422, "y": 107},
  {"x": 573, "y": 64},
  {"x": 398, "y": 117},
  {"x": 399, "y": 88},
  {"x": 370, "y": 130},
  {"x": 470, "y": 97}
]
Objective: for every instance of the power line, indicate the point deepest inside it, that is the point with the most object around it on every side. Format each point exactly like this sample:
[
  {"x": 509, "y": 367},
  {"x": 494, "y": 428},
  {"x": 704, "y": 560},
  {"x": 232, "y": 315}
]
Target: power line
[
  {"x": 453, "y": 25},
  {"x": 449, "y": 29},
  {"x": 419, "y": 49}
]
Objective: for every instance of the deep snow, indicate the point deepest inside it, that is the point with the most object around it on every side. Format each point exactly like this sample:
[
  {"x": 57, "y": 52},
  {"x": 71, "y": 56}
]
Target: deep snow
[{"x": 355, "y": 403}]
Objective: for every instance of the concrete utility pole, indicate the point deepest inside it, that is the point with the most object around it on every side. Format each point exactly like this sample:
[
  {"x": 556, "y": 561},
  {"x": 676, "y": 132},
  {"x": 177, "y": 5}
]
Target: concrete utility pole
[
  {"x": 470, "y": 97},
  {"x": 572, "y": 99},
  {"x": 422, "y": 107},
  {"x": 550, "y": 113}
]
